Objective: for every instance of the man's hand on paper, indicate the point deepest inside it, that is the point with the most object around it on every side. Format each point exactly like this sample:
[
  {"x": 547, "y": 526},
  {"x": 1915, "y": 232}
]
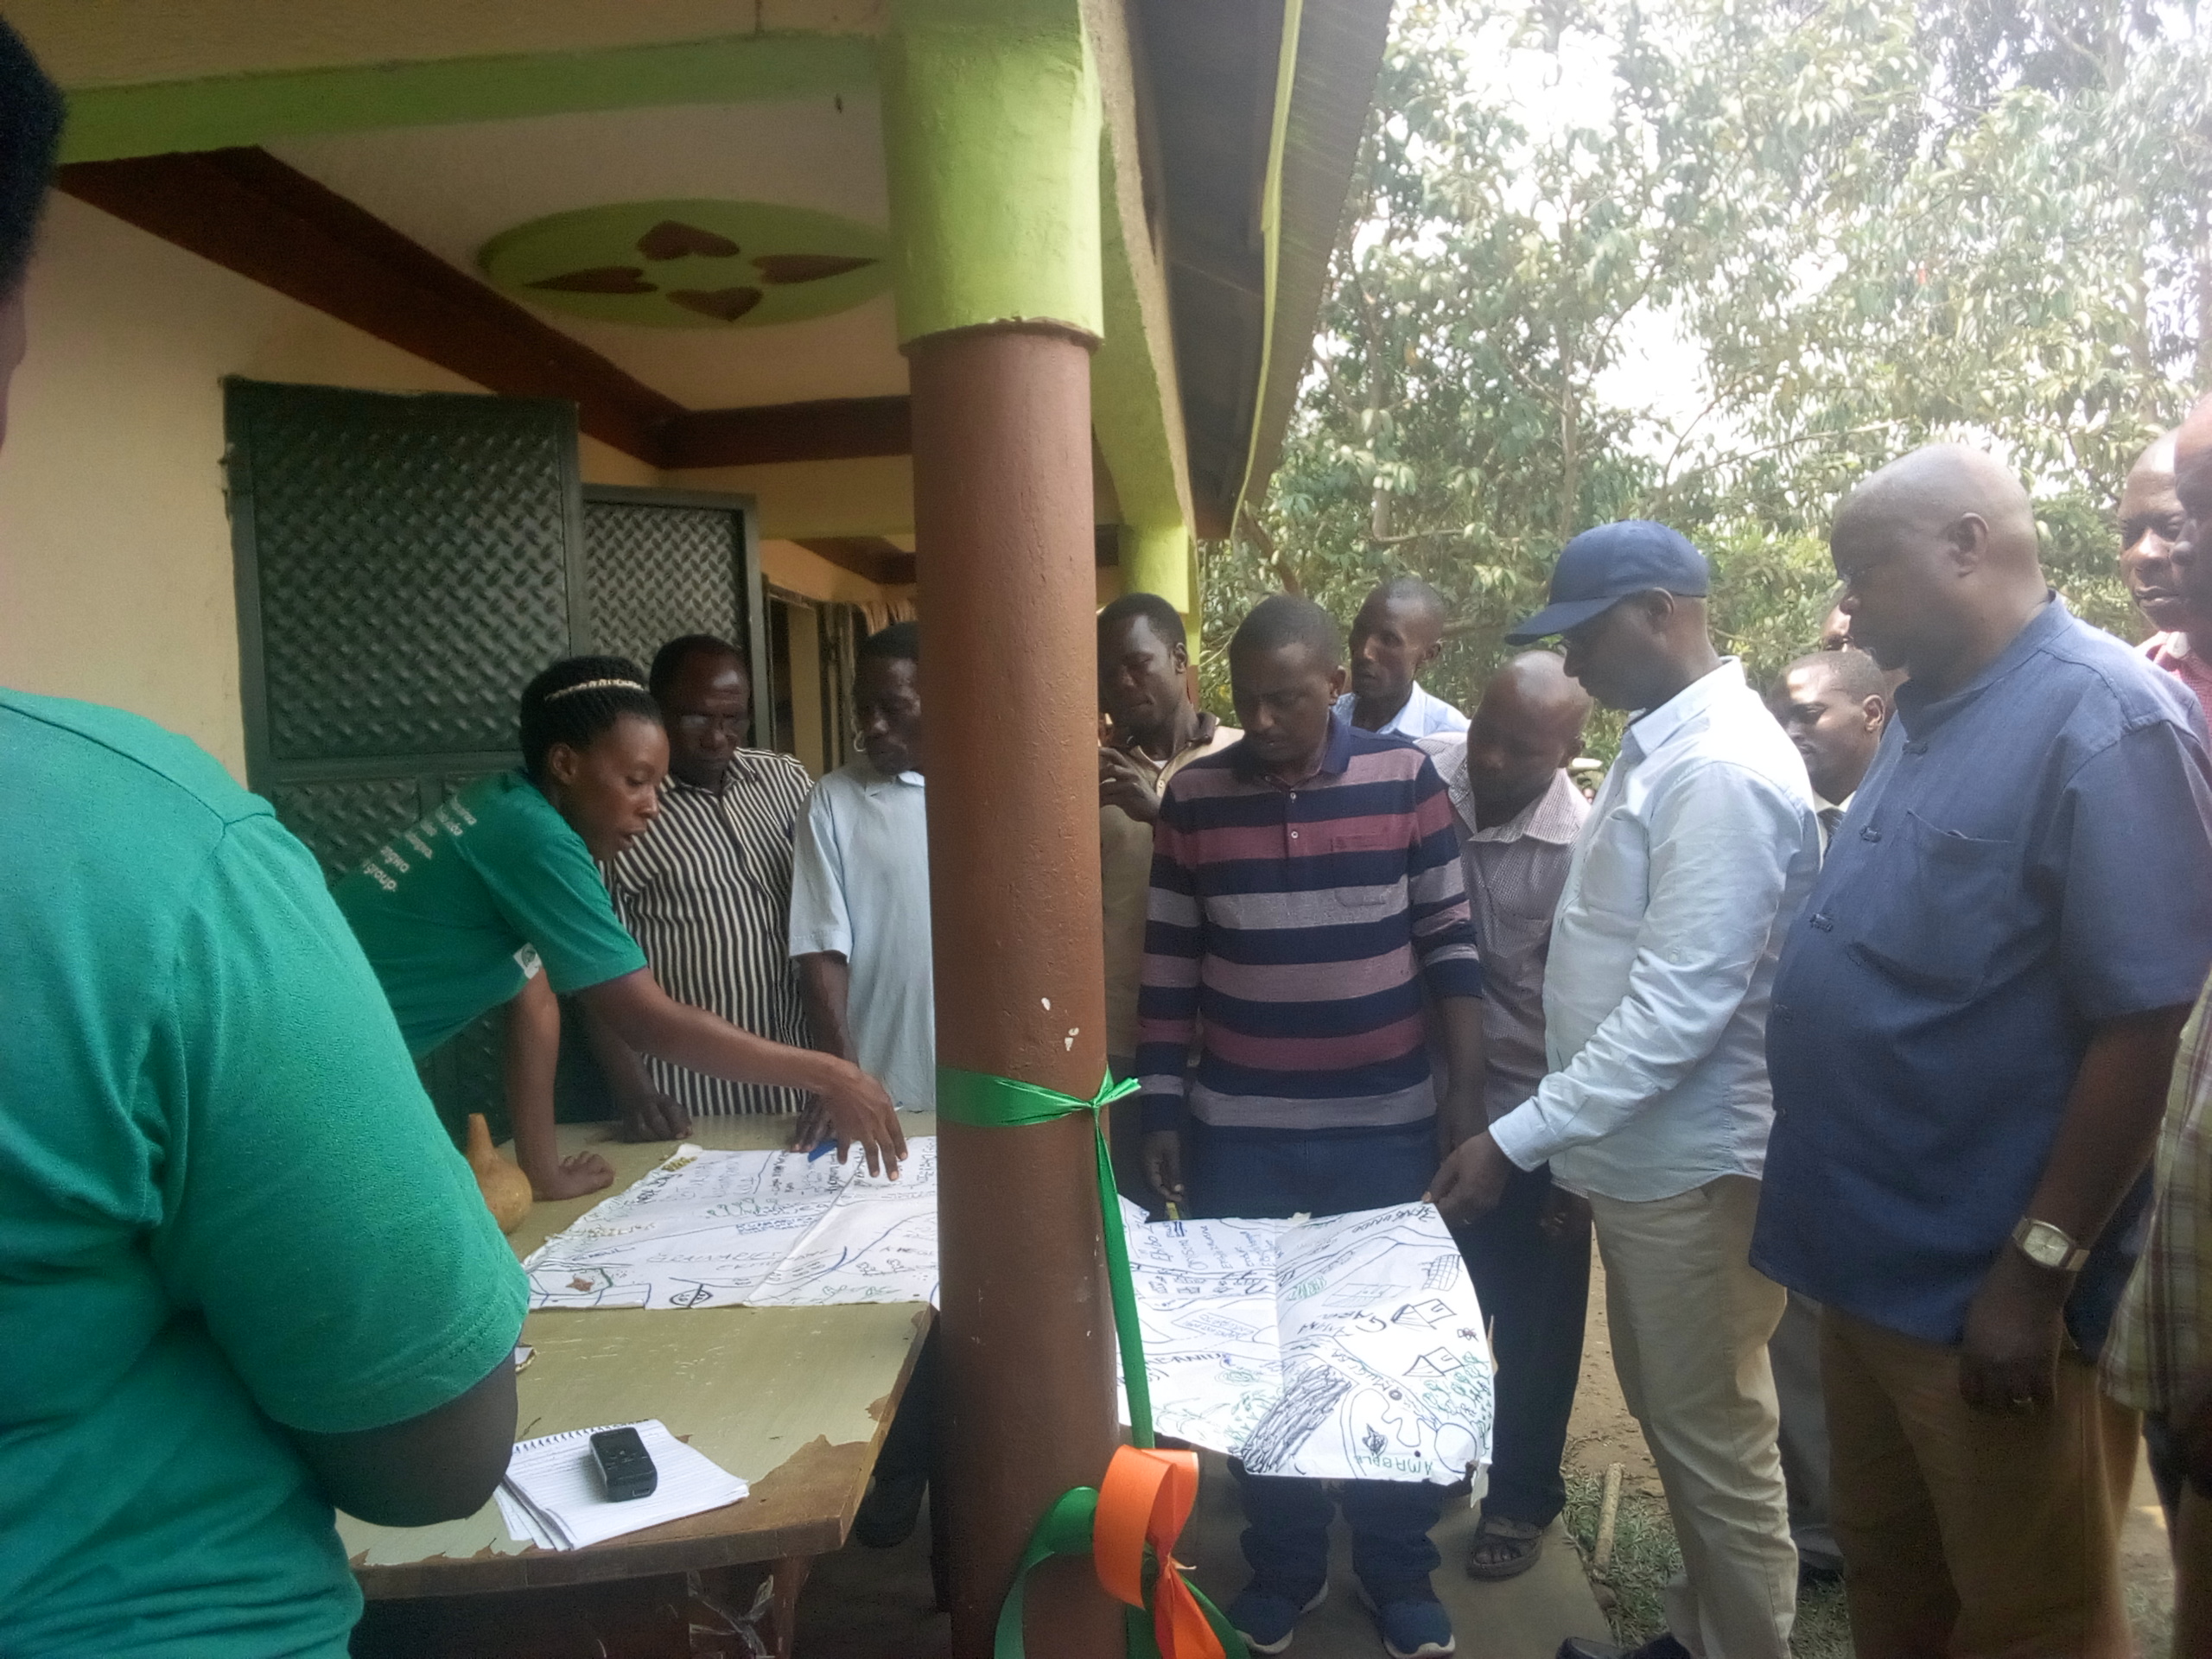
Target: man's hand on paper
[
  {"x": 853, "y": 1108},
  {"x": 649, "y": 1115},
  {"x": 1471, "y": 1181}
]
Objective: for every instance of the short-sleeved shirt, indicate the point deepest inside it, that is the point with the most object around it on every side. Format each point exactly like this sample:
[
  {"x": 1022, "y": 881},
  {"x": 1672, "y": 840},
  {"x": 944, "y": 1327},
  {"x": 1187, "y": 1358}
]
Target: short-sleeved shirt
[
  {"x": 861, "y": 887},
  {"x": 2026, "y": 860},
  {"x": 457, "y": 912},
  {"x": 2170, "y": 652},
  {"x": 225, "y": 1204},
  {"x": 706, "y": 892}
]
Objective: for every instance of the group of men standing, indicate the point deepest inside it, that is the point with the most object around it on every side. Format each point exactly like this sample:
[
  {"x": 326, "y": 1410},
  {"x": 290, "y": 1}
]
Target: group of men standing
[{"x": 1835, "y": 1020}]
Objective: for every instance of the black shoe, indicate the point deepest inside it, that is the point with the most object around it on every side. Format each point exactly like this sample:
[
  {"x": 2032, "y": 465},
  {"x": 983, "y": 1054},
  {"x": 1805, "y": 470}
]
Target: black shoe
[
  {"x": 1662, "y": 1646},
  {"x": 892, "y": 1510}
]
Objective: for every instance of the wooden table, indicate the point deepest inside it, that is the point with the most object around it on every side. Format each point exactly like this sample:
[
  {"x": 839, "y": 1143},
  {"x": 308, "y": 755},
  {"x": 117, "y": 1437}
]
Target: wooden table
[{"x": 796, "y": 1400}]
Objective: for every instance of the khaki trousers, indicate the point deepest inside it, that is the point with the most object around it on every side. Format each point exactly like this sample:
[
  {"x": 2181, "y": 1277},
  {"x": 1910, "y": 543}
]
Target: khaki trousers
[
  {"x": 1690, "y": 1319},
  {"x": 1967, "y": 1532}
]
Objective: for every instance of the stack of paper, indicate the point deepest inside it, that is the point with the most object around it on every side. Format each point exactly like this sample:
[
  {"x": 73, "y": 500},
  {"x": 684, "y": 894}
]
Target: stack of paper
[{"x": 552, "y": 1496}]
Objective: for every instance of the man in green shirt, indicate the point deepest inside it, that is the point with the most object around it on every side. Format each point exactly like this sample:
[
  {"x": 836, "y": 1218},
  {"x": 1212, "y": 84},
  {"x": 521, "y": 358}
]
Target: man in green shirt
[{"x": 244, "y": 1275}]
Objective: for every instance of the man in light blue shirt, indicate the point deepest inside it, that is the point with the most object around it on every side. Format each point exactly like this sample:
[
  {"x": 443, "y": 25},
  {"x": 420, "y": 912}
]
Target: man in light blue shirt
[
  {"x": 861, "y": 886},
  {"x": 1397, "y": 634},
  {"x": 1696, "y": 856}
]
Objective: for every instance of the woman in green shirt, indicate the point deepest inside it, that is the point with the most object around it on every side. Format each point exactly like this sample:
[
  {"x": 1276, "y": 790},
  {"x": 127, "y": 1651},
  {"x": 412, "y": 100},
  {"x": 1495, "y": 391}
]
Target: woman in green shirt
[{"x": 495, "y": 898}]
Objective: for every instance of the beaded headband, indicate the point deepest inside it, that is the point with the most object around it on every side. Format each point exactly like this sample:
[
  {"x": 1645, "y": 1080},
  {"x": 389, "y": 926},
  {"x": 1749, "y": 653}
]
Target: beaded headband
[{"x": 594, "y": 685}]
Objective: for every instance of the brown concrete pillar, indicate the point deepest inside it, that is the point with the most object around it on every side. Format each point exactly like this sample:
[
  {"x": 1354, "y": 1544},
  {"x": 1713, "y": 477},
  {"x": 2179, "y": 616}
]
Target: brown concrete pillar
[{"x": 1002, "y": 523}]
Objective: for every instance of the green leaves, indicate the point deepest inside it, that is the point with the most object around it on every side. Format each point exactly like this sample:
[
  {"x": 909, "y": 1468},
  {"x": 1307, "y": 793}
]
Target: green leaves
[{"x": 1874, "y": 224}]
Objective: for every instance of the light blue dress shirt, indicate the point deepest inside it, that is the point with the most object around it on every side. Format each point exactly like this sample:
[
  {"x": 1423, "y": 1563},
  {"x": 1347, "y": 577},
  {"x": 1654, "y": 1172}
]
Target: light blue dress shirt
[
  {"x": 861, "y": 887},
  {"x": 1697, "y": 854},
  {"x": 1424, "y": 715}
]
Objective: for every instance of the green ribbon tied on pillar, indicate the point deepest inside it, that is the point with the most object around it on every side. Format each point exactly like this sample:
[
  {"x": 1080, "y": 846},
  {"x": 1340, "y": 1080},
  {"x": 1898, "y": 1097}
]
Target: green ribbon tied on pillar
[
  {"x": 983, "y": 1101},
  {"x": 980, "y": 1101}
]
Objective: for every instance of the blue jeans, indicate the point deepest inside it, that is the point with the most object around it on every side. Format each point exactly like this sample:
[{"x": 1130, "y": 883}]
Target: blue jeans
[{"x": 1261, "y": 1174}]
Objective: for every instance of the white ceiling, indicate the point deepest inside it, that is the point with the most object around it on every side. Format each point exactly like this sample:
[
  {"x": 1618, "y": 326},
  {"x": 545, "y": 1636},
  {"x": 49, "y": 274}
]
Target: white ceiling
[{"x": 452, "y": 188}]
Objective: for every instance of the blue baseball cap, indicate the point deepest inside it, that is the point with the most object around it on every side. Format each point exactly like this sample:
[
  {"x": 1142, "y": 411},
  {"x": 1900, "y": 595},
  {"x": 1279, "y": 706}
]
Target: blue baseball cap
[{"x": 1602, "y": 566}]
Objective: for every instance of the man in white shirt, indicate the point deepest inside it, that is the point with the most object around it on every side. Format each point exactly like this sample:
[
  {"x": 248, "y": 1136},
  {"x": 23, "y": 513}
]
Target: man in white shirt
[
  {"x": 1833, "y": 706},
  {"x": 1696, "y": 856},
  {"x": 1397, "y": 634}
]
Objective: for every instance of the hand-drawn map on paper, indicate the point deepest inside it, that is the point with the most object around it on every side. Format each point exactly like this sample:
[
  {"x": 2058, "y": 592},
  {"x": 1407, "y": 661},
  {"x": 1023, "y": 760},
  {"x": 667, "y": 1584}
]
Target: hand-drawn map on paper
[
  {"x": 766, "y": 1229},
  {"x": 1347, "y": 1348}
]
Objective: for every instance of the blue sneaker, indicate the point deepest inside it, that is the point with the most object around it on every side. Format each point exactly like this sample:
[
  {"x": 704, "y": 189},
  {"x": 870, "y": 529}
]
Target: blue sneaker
[
  {"x": 1413, "y": 1623},
  {"x": 1267, "y": 1620}
]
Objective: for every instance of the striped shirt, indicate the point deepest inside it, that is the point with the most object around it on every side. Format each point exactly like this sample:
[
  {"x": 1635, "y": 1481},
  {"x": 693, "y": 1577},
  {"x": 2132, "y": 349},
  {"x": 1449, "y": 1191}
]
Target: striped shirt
[
  {"x": 2161, "y": 1335},
  {"x": 1293, "y": 926},
  {"x": 706, "y": 891}
]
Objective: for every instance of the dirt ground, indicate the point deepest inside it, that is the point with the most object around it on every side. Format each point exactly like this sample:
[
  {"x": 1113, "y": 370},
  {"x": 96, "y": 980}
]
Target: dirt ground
[{"x": 1602, "y": 1433}]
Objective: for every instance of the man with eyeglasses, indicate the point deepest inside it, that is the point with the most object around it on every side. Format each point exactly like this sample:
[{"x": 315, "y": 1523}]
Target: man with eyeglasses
[{"x": 707, "y": 890}]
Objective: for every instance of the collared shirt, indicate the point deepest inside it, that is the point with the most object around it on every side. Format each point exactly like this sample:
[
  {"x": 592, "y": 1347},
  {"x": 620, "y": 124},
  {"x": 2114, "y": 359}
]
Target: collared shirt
[
  {"x": 1125, "y": 878},
  {"x": 706, "y": 891},
  {"x": 2170, "y": 652},
  {"x": 1699, "y": 849},
  {"x": 1294, "y": 926},
  {"x": 2027, "y": 859},
  {"x": 1515, "y": 871},
  {"x": 1831, "y": 815},
  {"x": 2162, "y": 1334},
  {"x": 1422, "y": 717},
  {"x": 861, "y": 887},
  {"x": 457, "y": 912}
]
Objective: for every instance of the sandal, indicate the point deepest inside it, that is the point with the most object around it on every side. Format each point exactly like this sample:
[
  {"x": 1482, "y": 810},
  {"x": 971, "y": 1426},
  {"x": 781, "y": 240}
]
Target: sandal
[{"x": 1503, "y": 1547}]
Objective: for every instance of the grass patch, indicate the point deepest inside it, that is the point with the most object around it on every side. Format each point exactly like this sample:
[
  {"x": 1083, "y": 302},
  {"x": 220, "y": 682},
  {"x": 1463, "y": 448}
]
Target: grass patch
[{"x": 1645, "y": 1556}]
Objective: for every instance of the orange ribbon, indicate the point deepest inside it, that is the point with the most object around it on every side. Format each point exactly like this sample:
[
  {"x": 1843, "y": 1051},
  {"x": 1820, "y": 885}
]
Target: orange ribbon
[{"x": 1146, "y": 1497}]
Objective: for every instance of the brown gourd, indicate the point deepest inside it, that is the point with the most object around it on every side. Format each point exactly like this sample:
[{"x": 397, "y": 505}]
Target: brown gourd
[{"x": 505, "y": 1189}]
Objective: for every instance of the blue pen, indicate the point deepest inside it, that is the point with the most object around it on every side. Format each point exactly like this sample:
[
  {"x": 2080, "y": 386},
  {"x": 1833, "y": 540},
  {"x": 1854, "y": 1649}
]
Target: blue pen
[{"x": 826, "y": 1146}]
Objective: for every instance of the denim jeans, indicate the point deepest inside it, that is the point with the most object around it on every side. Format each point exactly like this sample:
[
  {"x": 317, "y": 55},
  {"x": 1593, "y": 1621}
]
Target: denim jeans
[{"x": 1262, "y": 1173}]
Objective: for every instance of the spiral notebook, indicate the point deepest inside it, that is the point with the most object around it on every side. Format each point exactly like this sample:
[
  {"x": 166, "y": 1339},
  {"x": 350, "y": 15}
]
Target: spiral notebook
[{"x": 552, "y": 1496}]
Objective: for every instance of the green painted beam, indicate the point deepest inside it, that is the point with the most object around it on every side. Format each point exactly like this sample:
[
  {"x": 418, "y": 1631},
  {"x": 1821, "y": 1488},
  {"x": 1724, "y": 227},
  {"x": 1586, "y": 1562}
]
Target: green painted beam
[
  {"x": 990, "y": 117},
  {"x": 159, "y": 118}
]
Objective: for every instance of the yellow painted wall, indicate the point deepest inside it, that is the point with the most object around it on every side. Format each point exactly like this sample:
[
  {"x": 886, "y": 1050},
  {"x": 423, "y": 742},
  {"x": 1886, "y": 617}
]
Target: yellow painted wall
[{"x": 115, "y": 552}]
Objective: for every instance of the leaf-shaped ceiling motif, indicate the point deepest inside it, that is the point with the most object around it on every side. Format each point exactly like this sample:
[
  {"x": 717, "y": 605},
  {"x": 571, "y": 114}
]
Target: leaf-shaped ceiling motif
[{"x": 692, "y": 264}]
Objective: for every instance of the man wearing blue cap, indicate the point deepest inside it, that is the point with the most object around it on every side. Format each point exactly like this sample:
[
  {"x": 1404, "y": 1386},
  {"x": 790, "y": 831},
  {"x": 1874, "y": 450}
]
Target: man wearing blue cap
[{"x": 1695, "y": 856}]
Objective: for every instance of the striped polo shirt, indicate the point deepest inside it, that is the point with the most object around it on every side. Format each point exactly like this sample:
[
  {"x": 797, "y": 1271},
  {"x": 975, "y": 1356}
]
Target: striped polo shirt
[
  {"x": 1290, "y": 930},
  {"x": 706, "y": 891}
]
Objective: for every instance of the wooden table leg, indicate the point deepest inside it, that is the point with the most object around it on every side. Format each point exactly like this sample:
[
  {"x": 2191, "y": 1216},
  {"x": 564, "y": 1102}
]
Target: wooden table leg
[{"x": 788, "y": 1576}]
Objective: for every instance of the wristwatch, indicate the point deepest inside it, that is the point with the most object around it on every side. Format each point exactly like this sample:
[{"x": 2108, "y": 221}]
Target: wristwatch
[{"x": 2048, "y": 1246}]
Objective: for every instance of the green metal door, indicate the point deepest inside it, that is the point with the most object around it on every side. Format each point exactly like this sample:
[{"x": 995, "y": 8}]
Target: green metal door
[{"x": 405, "y": 565}]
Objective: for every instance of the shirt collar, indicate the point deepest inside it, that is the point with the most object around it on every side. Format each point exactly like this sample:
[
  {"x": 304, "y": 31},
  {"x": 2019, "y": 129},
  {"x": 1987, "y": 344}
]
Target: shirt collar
[
  {"x": 1919, "y": 716},
  {"x": 1550, "y": 817},
  {"x": 1336, "y": 754},
  {"x": 874, "y": 783},
  {"x": 1654, "y": 728},
  {"x": 1201, "y": 735}
]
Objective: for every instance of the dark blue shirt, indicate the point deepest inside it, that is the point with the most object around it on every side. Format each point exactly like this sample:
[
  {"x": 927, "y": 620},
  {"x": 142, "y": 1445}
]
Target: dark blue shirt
[{"x": 2026, "y": 858}]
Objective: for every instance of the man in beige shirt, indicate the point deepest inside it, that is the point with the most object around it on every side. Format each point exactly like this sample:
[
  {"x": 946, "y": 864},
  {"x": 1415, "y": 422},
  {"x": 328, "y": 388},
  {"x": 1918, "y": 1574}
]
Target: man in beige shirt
[{"x": 1144, "y": 689}]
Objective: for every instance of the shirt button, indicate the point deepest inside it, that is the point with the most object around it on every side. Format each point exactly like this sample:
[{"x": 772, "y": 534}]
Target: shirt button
[
  {"x": 1294, "y": 835},
  {"x": 1870, "y": 833},
  {"x": 1823, "y": 922}
]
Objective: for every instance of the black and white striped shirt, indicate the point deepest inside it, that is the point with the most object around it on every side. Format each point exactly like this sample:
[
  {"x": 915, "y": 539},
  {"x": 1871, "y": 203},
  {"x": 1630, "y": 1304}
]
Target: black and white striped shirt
[{"x": 706, "y": 891}]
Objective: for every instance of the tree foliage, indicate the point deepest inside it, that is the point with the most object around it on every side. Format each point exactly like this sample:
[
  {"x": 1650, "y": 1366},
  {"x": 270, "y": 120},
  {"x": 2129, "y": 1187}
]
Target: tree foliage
[{"x": 1870, "y": 224}]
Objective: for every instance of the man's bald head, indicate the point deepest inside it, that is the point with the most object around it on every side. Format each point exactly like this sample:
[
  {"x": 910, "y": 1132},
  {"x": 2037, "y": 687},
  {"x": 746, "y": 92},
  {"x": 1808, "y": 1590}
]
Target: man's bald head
[
  {"x": 1527, "y": 726},
  {"x": 1938, "y": 553}
]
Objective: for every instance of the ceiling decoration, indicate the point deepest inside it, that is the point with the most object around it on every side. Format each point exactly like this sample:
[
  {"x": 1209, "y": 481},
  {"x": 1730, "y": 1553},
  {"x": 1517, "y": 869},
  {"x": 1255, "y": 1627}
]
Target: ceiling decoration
[{"x": 691, "y": 264}]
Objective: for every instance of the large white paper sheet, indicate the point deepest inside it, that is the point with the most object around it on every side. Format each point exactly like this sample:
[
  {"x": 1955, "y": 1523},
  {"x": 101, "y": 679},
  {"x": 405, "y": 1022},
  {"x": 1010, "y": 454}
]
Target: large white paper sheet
[
  {"x": 1345, "y": 1348},
  {"x": 716, "y": 1229}
]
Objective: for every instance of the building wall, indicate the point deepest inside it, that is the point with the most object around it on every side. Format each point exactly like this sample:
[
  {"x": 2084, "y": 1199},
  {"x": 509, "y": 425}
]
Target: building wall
[{"x": 115, "y": 550}]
